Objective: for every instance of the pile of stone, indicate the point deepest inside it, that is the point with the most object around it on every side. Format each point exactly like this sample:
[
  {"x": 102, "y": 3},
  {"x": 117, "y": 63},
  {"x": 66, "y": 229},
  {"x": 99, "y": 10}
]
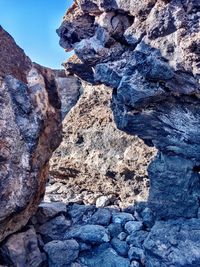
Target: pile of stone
[{"x": 85, "y": 236}]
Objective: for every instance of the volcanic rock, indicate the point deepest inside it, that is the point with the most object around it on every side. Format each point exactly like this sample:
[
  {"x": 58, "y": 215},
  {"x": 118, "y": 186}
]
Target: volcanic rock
[{"x": 30, "y": 130}]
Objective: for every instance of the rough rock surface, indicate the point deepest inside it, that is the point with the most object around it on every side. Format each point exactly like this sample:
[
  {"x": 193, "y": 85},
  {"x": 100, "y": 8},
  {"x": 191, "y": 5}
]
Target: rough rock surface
[
  {"x": 85, "y": 243},
  {"x": 148, "y": 52},
  {"x": 96, "y": 163},
  {"x": 30, "y": 130}
]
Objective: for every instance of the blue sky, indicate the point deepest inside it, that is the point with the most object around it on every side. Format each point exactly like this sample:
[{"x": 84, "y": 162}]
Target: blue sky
[{"x": 33, "y": 23}]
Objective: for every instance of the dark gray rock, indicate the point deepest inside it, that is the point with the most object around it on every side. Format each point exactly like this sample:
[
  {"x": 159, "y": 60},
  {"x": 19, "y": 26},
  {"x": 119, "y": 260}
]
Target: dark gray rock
[
  {"x": 46, "y": 211},
  {"x": 173, "y": 243},
  {"x": 175, "y": 176},
  {"x": 104, "y": 257},
  {"x": 61, "y": 253},
  {"x": 54, "y": 229},
  {"x": 122, "y": 217},
  {"x": 92, "y": 234},
  {"x": 137, "y": 238},
  {"x": 115, "y": 229},
  {"x": 120, "y": 247},
  {"x": 84, "y": 246},
  {"x": 101, "y": 217},
  {"x": 81, "y": 214}
]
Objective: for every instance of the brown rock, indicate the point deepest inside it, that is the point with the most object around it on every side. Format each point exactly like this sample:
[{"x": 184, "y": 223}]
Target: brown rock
[
  {"x": 95, "y": 158},
  {"x": 30, "y": 130}
]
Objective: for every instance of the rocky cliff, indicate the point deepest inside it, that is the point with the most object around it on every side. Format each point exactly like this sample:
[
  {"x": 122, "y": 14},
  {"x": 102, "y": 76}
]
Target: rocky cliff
[
  {"x": 148, "y": 53},
  {"x": 30, "y": 130}
]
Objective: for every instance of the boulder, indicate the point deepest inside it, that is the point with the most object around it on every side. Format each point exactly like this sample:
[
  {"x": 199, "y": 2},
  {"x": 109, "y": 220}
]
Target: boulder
[
  {"x": 92, "y": 234},
  {"x": 30, "y": 130}
]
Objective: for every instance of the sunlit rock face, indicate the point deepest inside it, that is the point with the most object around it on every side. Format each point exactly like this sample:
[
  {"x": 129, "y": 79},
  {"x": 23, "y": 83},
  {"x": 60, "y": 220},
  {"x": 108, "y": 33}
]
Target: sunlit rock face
[
  {"x": 30, "y": 130},
  {"x": 97, "y": 160},
  {"x": 148, "y": 53}
]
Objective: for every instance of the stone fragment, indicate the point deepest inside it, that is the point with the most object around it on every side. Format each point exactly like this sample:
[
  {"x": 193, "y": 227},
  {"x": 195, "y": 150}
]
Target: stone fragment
[
  {"x": 120, "y": 247},
  {"x": 101, "y": 217},
  {"x": 104, "y": 257},
  {"x": 47, "y": 211},
  {"x": 122, "y": 217},
  {"x": 137, "y": 238},
  {"x": 102, "y": 201},
  {"x": 92, "y": 234},
  {"x": 61, "y": 253},
  {"x": 81, "y": 213},
  {"x": 115, "y": 229},
  {"x": 54, "y": 229}
]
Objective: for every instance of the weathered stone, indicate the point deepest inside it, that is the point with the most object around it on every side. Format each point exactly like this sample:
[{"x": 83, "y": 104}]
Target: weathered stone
[
  {"x": 101, "y": 216},
  {"x": 104, "y": 257},
  {"x": 92, "y": 234},
  {"x": 46, "y": 211},
  {"x": 120, "y": 247},
  {"x": 54, "y": 229},
  {"x": 61, "y": 253},
  {"x": 30, "y": 130},
  {"x": 21, "y": 250},
  {"x": 173, "y": 243},
  {"x": 122, "y": 218},
  {"x": 115, "y": 229},
  {"x": 133, "y": 226},
  {"x": 81, "y": 214},
  {"x": 102, "y": 201},
  {"x": 137, "y": 238}
]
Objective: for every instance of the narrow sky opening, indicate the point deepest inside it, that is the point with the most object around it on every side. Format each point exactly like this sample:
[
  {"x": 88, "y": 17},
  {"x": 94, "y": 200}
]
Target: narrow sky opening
[{"x": 33, "y": 25}]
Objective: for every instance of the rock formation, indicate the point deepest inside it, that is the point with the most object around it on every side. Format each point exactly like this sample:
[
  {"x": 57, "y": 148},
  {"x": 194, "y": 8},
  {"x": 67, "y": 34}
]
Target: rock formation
[
  {"x": 30, "y": 130},
  {"x": 96, "y": 163},
  {"x": 148, "y": 53}
]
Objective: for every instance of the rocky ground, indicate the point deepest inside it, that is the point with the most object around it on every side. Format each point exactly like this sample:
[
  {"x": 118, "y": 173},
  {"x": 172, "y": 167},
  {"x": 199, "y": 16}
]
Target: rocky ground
[
  {"x": 85, "y": 236},
  {"x": 96, "y": 163}
]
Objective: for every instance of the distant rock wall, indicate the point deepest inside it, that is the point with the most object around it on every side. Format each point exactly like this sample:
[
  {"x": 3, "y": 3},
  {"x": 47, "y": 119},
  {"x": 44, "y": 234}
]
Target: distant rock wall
[
  {"x": 148, "y": 53},
  {"x": 95, "y": 160}
]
